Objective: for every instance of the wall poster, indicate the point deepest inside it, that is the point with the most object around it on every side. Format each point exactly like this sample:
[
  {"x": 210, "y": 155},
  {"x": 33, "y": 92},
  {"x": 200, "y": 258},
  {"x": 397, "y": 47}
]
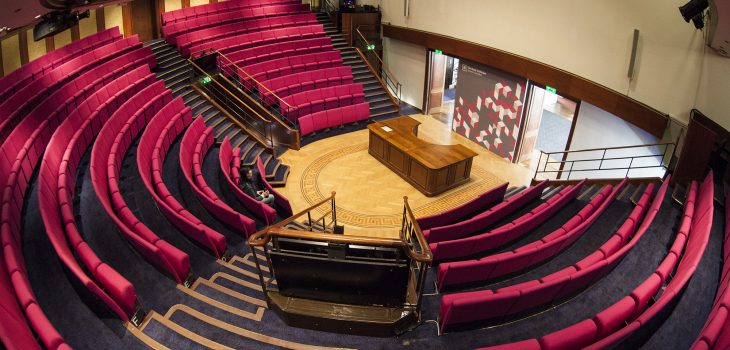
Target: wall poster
[{"x": 488, "y": 107}]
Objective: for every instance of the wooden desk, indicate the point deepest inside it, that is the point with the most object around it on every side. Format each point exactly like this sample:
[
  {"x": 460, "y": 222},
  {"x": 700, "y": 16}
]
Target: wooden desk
[{"x": 430, "y": 168}]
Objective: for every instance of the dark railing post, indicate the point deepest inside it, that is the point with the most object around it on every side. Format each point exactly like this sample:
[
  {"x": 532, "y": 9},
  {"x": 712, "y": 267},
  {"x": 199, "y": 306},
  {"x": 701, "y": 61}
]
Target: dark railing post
[{"x": 629, "y": 168}]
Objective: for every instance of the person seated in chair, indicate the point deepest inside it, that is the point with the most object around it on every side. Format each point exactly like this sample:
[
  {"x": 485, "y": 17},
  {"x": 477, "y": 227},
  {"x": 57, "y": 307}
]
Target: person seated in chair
[{"x": 250, "y": 187}]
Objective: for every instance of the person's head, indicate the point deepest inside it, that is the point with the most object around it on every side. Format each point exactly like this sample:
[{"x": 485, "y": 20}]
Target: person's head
[{"x": 249, "y": 174}]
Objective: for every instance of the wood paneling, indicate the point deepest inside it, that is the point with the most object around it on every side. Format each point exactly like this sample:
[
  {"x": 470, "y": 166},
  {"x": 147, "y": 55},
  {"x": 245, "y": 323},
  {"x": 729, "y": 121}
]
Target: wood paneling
[
  {"x": 23, "y": 46},
  {"x": 127, "y": 19},
  {"x": 50, "y": 44},
  {"x": 185, "y": 3},
  {"x": 100, "y": 20},
  {"x": 143, "y": 22},
  {"x": 567, "y": 84},
  {"x": 75, "y": 33},
  {"x": 2, "y": 70}
]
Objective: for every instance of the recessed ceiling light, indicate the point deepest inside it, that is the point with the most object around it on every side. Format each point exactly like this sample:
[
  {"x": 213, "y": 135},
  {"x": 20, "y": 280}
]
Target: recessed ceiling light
[{"x": 37, "y": 17}]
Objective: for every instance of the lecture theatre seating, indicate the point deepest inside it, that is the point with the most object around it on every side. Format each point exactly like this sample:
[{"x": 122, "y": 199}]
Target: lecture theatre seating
[
  {"x": 498, "y": 265},
  {"x": 481, "y": 203},
  {"x": 508, "y": 302},
  {"x": 312, "y": 101},
  {"x": 107, "y": 155},
  {"x": 195, "y": 144},
  {"x": 715, "y": 334},
  {"x": 190, "y": 42},
  {"x": 335, "y": 117},
  {"x": 203, "y": 20},
  {"x": 449, "y": 249},
  {"x": 161, "y": 131},
  {"x": 289, "y": 65},
  {"x": 214, "y": 8},
  {"x": 244, "y": 41},
  {"x": 57, "y": 186},
  {"x": 230, "y": 166},
  {"x": 487, "y": 218},
  {"x": 27, "y": 97},
  {"x": 278, "y": 50},
  {"x": 37, "y": 114},
  {"x": 620, "y": 321},
  {"x": 46, "y": 63},
  {"x": 304, "y": 81}
]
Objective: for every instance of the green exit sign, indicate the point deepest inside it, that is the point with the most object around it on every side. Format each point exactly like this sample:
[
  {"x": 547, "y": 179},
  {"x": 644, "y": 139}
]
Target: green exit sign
[
  {"x": 551, "y": 89},
  {"x": 438, "y": 52},
  {"x": 371, "y": 47},
  {"x": 205, "y": 80}
]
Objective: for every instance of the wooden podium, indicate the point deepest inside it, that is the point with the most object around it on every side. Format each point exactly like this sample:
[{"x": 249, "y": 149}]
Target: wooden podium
[{"x": 430, "y": 168}]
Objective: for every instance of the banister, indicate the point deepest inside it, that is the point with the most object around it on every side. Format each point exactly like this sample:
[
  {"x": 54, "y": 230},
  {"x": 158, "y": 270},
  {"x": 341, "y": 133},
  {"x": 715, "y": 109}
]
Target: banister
[
  {"x": 394, "y": 99},
  {"x": 611, "y": 148},
  {"x": 387, "y": 70},
  {"x": 258, "y": 83}
]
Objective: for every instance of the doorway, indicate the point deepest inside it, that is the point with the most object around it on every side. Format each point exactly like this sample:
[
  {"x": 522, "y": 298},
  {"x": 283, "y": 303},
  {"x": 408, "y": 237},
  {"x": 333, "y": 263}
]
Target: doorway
[
  {"x": 442, "y": 78},
  {"x": 550, "y": 118}
]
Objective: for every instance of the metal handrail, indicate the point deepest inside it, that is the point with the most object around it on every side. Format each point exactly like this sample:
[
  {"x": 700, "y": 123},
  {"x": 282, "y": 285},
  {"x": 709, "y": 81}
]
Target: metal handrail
[
  {"x": 329, "y": 8},
  {"x": 571, "y": 162},
  {"x": 267, "y": 129},
  {"x": 386, "y": 77},
  {"x": 258, "y": 83}
]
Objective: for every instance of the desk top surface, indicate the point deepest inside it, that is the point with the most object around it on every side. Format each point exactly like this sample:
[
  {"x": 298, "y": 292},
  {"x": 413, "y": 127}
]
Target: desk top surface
[{"x": 403, "y": 137}]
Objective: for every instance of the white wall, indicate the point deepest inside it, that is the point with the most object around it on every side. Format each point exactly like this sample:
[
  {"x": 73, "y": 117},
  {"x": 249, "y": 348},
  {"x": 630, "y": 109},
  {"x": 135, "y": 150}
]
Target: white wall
[
  {"x": 589, "y": 38},
  {"x": 408, "y": 64},
  {"x": 713, "y": 97},
  {"x": 596, "y": 128}
]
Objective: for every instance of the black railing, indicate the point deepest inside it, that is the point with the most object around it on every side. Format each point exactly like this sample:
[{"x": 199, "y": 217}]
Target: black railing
[{"x": 561, "y": 165}]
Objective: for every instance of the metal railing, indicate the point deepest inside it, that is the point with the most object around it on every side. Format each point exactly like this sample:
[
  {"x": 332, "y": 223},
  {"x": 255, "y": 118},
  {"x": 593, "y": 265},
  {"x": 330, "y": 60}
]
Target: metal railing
[
  {"x": 411, "y": 241},
  {"x": 561, "y": 165},
  {"x": 375, "y": 63},
  {"x": 270, "y": 123}
]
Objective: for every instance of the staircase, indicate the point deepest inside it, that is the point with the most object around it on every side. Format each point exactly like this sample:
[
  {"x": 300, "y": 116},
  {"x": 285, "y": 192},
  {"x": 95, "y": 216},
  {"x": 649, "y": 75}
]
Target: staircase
[
  {"x": 175, "y": 71},
  {"x": 381, "y": 106}
]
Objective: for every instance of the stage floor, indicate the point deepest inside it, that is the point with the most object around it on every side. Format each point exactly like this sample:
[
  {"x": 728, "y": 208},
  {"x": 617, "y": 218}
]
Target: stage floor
[{"x": 369, "y": 195}]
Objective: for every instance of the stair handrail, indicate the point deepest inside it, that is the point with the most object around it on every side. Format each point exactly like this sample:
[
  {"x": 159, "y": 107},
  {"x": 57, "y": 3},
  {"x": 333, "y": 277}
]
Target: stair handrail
[
  {"x": 364, "y": 48},
  {"x": 563, "y": 155},
  {"x": 258, "y": 83},
  {"x": 268, "y": 134},
  {"x": 329, "y": 9}
]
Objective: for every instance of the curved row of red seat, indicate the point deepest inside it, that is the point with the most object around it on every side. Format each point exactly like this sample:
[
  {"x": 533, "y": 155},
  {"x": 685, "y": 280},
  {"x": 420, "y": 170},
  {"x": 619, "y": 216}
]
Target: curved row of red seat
[
  {"x": 481, "y": 203},
  {"x": 715, "y": 334},
  {"x": 288, "y": 65},
  {"x": 195, "y": 144},
  {"x": 107, "y": 156},
  {"x": 449, "y": 249},
  {"x": 313, "y": 101},
  {"x": 278, "y": 50},
  {"x": 28, "y": 97},
  {"x": 200, "y": 19},
  {"x": 156, "y": 140},
  {"x": 231, "y": 175},
  {"x": 212, "y": 8},
  {"x": 333, "y": 118},
  {"x": 57, "y": 186},
  {"x": 187, "y": 41},
  {"x": 502, "y": 264},
  {"x": 484, "y": 220},
  {"x": 281, "y": 202},
  {"x": 311, "y": 79},
  {"x": 529, "y": 296},
  {"x": 39, "y": 67},
  {"x": 620, "y": 321},
  {"x": 21, "y": 151},
  {"x": 254, "y": 39}
]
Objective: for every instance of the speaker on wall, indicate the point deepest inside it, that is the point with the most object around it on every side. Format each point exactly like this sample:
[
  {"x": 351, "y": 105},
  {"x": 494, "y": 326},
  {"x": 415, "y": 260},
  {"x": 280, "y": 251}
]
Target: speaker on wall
[
  {"x": 406, "y": 8},
  {"x": 634, "y": 47}
]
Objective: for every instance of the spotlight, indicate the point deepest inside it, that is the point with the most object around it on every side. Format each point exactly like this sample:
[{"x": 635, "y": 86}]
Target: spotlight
[{"x": 692, "y": 9}]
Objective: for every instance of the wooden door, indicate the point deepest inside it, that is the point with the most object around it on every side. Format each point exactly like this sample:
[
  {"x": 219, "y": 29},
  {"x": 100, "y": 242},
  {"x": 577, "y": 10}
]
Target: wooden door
[
  {"x": 144, "y": 19},
  {"x": 437, "y": 81},
  {"x": 532, "y": 125}
]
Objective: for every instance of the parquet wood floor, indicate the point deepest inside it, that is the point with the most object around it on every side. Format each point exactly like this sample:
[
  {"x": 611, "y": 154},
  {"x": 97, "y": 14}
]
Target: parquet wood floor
[{"x": 369, "y": 195}]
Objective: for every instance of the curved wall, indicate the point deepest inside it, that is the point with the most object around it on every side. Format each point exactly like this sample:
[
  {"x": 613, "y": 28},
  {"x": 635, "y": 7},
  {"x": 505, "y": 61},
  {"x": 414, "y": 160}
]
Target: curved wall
[{"x": 591, "y": 39}]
